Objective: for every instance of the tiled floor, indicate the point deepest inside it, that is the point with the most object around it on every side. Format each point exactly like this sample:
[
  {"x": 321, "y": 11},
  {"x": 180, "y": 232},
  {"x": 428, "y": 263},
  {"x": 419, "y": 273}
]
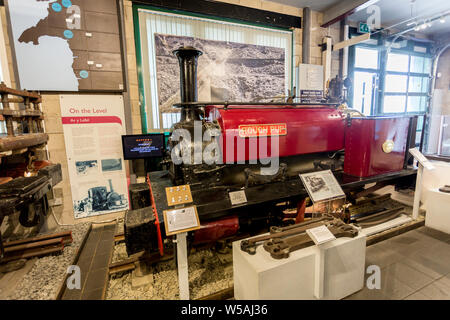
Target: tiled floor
[
  {"x": 93, "y": 262},
  {"x": 414, "y": 265}
]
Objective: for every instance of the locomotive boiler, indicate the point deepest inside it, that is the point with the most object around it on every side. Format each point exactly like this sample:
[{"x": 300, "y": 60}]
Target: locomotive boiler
[{"x": 258, "y": 150}]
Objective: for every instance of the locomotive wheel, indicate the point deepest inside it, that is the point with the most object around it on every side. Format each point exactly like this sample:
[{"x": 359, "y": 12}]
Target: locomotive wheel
[{"x": 32, "y": 215}]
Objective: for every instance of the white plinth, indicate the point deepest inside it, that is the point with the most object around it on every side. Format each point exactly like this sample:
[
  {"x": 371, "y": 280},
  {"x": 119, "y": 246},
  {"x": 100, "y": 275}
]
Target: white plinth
[
  {"x": 438, "y": 213},
  {"x": 260, "y": 277},
  {"x": 434, "y": 179}
]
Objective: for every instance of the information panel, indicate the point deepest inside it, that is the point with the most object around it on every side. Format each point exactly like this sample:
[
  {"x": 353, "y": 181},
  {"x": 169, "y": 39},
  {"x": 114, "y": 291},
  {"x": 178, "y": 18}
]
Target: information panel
[
  {"x": 93, "y": 126},
  {"x": 322, "y": 186},
  {"x": 181, "y": 220}
]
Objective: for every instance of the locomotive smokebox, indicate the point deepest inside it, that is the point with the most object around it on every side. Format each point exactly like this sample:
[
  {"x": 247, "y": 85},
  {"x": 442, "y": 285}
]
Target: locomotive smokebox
[
  {"x": 187, "y": 58},
  {"x": 185, "y": 147}
]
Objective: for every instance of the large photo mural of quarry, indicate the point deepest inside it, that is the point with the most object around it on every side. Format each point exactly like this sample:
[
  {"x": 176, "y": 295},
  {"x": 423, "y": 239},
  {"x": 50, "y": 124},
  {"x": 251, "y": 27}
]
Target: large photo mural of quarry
[{"x": 227, "y": 71}]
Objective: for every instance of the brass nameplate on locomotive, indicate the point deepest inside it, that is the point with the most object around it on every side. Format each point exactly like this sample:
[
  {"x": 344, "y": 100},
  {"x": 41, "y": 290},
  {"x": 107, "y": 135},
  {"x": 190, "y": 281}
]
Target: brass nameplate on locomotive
[{"x": 178, "y": 195}]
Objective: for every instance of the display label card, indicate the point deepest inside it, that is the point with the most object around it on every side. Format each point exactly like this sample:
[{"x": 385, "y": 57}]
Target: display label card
[
  {"x": 320, "y": 235},
  {"x": 238, "y": 197},
  {"x": 421, "y": 158},
  {"x": 181, "y": 220},
  {"x": 322, "y": 186}
]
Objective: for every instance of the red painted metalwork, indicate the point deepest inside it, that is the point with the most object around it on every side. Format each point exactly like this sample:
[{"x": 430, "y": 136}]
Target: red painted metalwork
[
  {"x": 364, "y": 139},
  {"x": 301, "y": 208},
  {"x": 310, "y": 129},
  {"x": 216, "y": 230}
]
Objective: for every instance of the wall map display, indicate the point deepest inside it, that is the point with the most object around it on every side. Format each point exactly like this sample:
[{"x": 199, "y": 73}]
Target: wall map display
[{"x": 67, "y": 45}]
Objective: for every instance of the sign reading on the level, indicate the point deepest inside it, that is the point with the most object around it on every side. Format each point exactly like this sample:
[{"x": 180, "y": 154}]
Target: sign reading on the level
[
  {"x": 421, "y": 158},
  {"x": 181, "y": 220},
  {"x": 97, "y": 173},
  {"x": 320, "y": 235},
  {"x": 322, "y": 186},
  {"x": 238, "y": 197},
  {"x": 262, "y": 130},
  {"x": 178, "y": 195},
  {"x": 363, "y": 28}
]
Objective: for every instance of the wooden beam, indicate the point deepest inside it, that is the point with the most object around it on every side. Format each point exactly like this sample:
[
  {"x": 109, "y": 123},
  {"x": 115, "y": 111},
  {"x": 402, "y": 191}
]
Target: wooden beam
[
  {"x": 326, "y": 61},
  {"x": 11, "y": 143},
  {"x": 229, "y": 11},
  {"x": 351, "y": 42}
]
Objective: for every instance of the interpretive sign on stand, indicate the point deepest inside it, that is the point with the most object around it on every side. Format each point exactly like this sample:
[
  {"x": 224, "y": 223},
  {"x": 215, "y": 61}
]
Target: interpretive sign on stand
[
  {"x": 322, "y": 186},
  {"x": 181, "y": 220}
]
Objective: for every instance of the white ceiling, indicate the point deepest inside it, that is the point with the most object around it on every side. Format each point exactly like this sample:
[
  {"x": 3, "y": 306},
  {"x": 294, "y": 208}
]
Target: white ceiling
[
  {"x": 316, "y": 5},
  {"x": 392, "y": 12}
]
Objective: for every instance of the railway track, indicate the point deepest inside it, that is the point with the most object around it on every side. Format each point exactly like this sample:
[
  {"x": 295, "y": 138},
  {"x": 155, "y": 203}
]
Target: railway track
[
  {"x": 36, "y": 246},
  {"x": 225, "y": 294},
  {"x": 119, "y": 237},
  {"x": 129, "y": 264}
]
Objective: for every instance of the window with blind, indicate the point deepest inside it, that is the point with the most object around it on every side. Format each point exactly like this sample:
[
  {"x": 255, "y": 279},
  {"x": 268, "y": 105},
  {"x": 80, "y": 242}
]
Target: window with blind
[
  {"x": 390, "y": 84},
  {"x": 151, "y": 23},
  {"x": 406, "y": 83}
]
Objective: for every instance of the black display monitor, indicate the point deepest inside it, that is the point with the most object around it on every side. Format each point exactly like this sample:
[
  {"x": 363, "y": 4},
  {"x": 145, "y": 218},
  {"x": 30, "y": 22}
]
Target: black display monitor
[{"x": 142, "y": 146}]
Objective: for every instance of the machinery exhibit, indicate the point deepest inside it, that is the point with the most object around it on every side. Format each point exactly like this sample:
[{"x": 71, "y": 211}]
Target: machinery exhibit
[
  {"x": 237, "y": 152},
  {"x": 358, "y": 150},
  {"x": 25, "y": 181}
]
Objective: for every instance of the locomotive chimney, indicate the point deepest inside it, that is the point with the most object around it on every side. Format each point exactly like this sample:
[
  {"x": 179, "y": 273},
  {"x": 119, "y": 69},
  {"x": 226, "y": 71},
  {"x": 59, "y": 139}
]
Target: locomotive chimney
[{"x": 187, "y": 58}]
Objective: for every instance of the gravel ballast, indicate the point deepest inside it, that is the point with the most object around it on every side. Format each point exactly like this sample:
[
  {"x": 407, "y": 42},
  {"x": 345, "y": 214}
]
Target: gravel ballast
[
  {"x": 45, "y": 278},
  {"x": 209, "y": 272}
]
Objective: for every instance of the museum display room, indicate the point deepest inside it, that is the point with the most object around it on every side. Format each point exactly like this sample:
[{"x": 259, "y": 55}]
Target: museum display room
[{"x": 244, "y": 152}]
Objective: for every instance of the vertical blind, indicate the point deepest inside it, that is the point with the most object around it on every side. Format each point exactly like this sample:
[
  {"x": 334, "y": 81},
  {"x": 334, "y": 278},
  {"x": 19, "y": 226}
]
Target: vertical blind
[{"x": 155, "y": 22}]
